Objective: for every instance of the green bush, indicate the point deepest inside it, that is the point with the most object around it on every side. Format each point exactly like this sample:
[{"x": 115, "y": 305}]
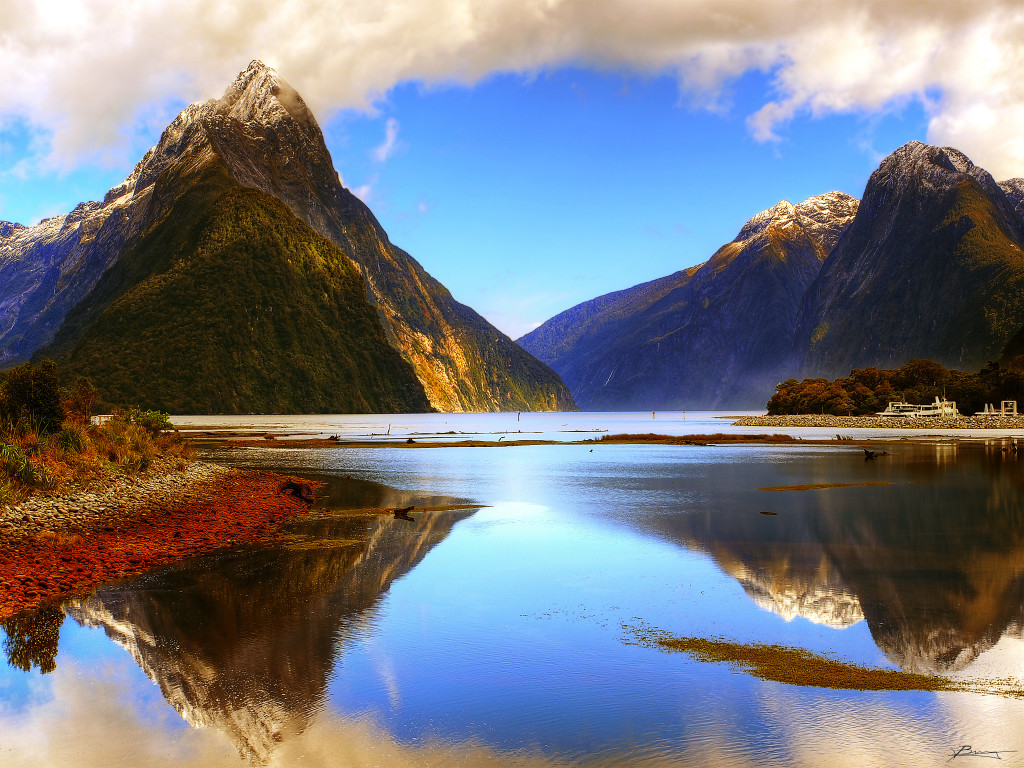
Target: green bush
[
  {"x": 71, "y": 439},
  {"x": 30, "y": 397},
  {"x": 153, "y": 422}
]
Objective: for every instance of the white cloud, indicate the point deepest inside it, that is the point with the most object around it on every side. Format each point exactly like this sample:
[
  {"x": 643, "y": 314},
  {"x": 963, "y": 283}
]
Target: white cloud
[
  {"x": 365, "y": 191},
  {"x": 385, "y": 150},
  {"x": 82, "y": 72}
]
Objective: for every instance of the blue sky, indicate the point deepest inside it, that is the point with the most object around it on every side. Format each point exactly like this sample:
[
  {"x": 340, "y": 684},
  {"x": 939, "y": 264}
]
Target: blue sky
[
  {"x": 530, "y": 154},
  {"x": 527, "y": 196}
]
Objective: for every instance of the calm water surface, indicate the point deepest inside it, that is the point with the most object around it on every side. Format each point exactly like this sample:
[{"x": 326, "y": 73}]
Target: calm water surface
[{"x": 502, "y": 635}]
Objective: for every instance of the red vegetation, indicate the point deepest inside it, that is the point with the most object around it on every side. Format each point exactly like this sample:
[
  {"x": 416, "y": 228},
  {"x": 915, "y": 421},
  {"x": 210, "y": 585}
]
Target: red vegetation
[{"x": 240, "y": 508}]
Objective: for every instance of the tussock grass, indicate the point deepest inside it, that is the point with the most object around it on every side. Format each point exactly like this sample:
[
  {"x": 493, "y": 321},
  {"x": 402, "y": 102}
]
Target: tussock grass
[
  {"x": 80, "y": 453},
  {"x": 792, "y": 666}
]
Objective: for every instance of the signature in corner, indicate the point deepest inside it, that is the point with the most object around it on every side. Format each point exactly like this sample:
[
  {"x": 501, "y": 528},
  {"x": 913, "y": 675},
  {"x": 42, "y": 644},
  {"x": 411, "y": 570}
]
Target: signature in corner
[{"x": 967, "y": 751}]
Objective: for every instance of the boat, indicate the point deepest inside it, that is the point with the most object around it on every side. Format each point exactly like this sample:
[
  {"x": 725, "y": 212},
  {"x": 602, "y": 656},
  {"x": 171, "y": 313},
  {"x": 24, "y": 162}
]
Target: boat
[
  {"x": 1006, "y": 408},
  {"x": 905, "y": 410}
]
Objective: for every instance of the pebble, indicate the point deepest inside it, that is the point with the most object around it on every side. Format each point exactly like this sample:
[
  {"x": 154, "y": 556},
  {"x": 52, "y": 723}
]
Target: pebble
[
  {"x": 48, "y": 552},
  {"x": 882, "y": 422},
  {"x": 121, "y": 496}
]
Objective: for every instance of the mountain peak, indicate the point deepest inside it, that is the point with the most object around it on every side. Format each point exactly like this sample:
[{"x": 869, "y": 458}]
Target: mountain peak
[
  {"x": 826, "y": 215},
  {"x": 256, "y": 67},
  {"x": 8, "y": 228},
  {"x": 261, "y": 95},
  {"x": 936, "y": 167}
]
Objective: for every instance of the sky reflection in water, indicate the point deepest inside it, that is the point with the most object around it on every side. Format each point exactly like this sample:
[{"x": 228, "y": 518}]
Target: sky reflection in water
[{"x": 496, "y": 637}]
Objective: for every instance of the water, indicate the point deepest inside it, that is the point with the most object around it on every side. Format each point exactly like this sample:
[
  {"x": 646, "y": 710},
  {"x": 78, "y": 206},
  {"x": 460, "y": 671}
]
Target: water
[
  {"x": 563, "y": 427},
  {"x": 502, "y": 635}
]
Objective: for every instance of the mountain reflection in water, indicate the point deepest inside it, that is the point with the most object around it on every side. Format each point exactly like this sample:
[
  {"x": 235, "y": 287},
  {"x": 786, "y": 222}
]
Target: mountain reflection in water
[
  {"x": 245, "y": 641},
  {"x": 933, "y": 562},
  {"x": 505, "y": 644}
]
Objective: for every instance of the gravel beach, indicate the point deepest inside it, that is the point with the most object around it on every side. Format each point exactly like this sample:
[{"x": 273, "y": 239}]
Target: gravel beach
[
  {"x": 123, "y": 495},
  {"x": 55, "y": 546}
]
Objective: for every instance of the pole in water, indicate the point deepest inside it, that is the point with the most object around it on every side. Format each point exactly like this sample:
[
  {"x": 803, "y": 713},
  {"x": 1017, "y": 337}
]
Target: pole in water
[
  {"x": 518, "y": 414},
  {"x": 389, "y": 429},
  {"x": 652, "y": 414}
]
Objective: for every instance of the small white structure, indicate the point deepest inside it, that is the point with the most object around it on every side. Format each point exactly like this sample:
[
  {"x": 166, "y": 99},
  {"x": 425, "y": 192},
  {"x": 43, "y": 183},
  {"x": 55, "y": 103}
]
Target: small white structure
[
  {"x": 905, "y": 410},
  {"x": 1006, "y": 408}
]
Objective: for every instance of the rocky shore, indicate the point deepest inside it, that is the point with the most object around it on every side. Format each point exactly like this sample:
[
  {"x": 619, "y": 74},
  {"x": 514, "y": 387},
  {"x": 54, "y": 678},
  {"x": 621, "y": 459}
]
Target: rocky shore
[
  {"x": 882, "y": 422},
  {"x": 98, "y": 507},
  {"x": 54, "y": 546}
]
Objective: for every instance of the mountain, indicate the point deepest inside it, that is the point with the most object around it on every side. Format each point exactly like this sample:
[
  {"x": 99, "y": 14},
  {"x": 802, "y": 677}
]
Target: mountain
[
  {"x": 232, "y": 271},
  {"x": 714, "y": 335},
  {"x": 231, "y": 304},
  {"x": 928, "y": 265},
  {"x": 932, "y": 267}
]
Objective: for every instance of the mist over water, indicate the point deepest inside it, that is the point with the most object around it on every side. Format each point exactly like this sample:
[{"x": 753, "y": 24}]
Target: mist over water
[{"x": 502, "y": 635}]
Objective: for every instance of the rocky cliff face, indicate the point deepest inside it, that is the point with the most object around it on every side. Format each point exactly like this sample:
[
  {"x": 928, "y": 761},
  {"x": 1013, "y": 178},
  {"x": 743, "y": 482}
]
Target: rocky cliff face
[
  {"x": 716, "y": 335},
  {"x": 931, "y": 267},
  {"x": 48, "y": 269},
  {"x": 266, "y": 138}
]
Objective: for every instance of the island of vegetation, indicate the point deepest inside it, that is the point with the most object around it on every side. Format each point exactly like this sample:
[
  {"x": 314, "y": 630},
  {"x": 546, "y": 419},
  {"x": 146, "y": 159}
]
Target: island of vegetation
[{"x": 867, "y": 391}]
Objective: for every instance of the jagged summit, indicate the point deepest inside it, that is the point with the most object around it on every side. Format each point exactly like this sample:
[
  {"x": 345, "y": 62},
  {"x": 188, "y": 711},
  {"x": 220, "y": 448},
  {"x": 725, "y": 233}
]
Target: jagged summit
[
  {"x": 927, "y": 167},
  {"x": 257, "y": 101},
  {"x": 262, "y": 95},
  {"x": 817, "y": 215}
]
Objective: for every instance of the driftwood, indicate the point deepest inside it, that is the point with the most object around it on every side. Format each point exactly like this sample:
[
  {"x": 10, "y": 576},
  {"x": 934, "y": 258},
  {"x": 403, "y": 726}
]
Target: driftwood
[
  {"x": 403, "y": 514},
  {"x": 299, "y": 488}
]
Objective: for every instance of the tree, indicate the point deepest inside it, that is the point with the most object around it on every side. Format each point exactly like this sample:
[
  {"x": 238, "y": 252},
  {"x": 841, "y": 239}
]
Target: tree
[{"x": 30, "y": 396}]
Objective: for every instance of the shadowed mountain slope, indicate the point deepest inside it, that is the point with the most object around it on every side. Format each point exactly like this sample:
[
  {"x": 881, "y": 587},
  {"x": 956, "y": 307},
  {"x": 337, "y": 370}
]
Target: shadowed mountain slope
[
  {"x": 266, "y": 138},
  {"x": 931, "y": 267},
  {"x": 716, "y": 335},
  {"x": 231, "y": 304}
]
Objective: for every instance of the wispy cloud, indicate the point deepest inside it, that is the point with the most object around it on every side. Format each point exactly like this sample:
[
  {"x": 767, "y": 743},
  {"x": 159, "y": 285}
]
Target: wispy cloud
[
  {"x": 365, "y": 191},
  {"x": 385, "y": 150},
  {"x": 89, "y": 70}
]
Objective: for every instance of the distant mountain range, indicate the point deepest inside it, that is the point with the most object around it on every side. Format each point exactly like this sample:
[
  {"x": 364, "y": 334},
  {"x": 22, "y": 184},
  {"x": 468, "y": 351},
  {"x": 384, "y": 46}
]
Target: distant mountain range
[
  {"x": 232, "y": 272},
  {"x": 929, "y": 264}
]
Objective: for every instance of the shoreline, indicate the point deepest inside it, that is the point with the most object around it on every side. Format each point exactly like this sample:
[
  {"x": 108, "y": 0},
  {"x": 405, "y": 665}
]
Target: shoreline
[
  {"x": 882, "y": 422},
  {"x": 56, "y": 546}
]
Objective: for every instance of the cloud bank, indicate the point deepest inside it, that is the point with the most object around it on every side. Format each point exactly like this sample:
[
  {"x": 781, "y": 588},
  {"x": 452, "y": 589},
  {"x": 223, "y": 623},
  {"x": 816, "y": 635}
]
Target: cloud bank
[{"x": 84, "y": 73}]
